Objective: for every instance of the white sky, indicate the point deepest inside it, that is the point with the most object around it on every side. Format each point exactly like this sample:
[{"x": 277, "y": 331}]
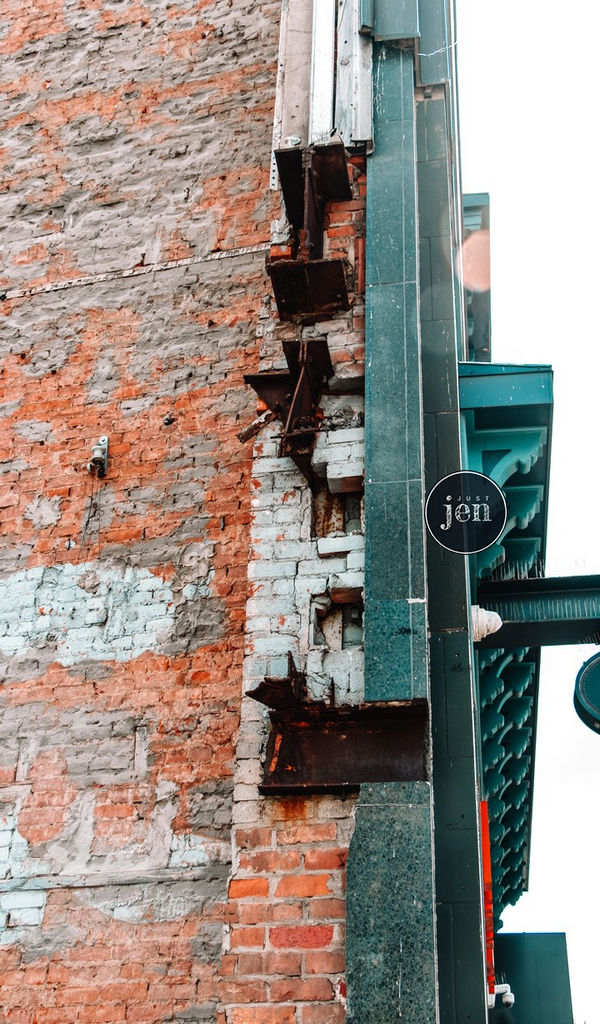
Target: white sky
[{"x": 530, "y": 131}]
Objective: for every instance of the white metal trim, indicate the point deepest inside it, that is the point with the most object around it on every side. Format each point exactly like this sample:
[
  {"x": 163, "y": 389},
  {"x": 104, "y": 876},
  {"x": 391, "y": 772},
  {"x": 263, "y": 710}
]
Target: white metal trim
[
  {"x": 322, "y": 79},
  {"x": 354, "y": 85},
  {"x": 278, "y": 115}
]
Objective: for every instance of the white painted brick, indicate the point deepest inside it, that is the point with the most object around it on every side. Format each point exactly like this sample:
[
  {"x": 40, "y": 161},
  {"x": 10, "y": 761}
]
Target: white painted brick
[
  {"x": 310, "y": 567},
  {"x": 340, "y": 544},
  {"x": 344, "y": 453},
  {"x": 274, "y": 644},
  {"x": 278, "y": 666},
  {"x": 164, "y": 622},
  {"x": 273, "y": 465},
  {"x": 258, "y": 624},
  {"x": 356, "y": 560},
  {"x": 346, "y": 477},
  {"x": 26, "y": 916},
  {"x": 248, "y": 772},
  {"x": 283, "y": 587},
  {"x": 22, "y": 898},
  {"x": 262, "y": 517},
  {"x": 285, "y": 624},
  {"x": 260, "y": 570},
  {"x": 261, "y": 499},
  {"x": 314, "y": 660},
  {"x": 243, "y": 791},
  {"x": 307, "y": 585},
  {"x": 261, "y": 549},
  {"x": 276, "y": 533},
  {"x": 266, "y": 448},
  {"x": 246, "y": 812},
  {"x": 286, "y": 514},
  {"x": 347, "y": 668},
  {"x": 294, "y": 549},
  {"x": 347, "y": 435},
  {"x": 345, "y": 587},
  {"x": 269, "y": 606}
]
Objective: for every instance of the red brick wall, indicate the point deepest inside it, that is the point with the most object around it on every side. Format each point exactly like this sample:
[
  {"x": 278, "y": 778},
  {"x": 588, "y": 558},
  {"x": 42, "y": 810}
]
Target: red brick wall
[
  {"x": 135, "y": 163},
  {"x": 122, "y": 599}
]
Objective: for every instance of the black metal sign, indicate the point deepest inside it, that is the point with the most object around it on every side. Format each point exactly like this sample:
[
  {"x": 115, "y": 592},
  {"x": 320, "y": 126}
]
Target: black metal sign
[
  {"x": 466, "y": 512},
  {"x": 587, "y": 693}
]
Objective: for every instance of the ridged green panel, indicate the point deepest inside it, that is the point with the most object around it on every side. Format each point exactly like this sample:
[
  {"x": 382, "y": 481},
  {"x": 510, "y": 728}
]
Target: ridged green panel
[{"x": 396, "y": 19}]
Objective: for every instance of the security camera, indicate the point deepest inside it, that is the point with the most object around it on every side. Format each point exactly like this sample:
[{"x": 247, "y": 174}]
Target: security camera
[{"x": 508, "y": 999}]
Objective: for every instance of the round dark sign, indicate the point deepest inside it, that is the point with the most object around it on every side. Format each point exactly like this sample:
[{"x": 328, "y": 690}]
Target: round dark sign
[
  {"x": 466, "y": 512},
  {"x": 587, "y": 693}
]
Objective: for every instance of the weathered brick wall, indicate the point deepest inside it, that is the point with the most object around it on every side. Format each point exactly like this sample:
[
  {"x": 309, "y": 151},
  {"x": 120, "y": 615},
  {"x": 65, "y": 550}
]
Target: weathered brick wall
[
  {"x": 135, "y": 161},
  {"x": 286, "y": 916},
  {"x": 142, "y": 876}
]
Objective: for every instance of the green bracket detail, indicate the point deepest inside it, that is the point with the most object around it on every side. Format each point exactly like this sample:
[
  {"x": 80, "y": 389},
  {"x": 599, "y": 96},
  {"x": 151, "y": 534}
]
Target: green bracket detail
[
  {"x": 524, "y": 503},
  {"x": 500, "y": 453},
  {"x": 389, "y": 20}
]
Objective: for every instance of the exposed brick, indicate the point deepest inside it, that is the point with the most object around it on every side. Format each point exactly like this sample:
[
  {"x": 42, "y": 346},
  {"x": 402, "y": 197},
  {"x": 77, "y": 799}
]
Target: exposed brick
[
  {"x": 300, "y": 991},
  {"x": 261, "y": 1015},
  {"x": 316, "y": 859},
  {"x": 247, "y": 938},
  {"x": 240, "y": 888},
  {"x": 253, "y": 837},
  {"x": 331, "y": 1013},
  {"x": 313, "y": 833},
  {"x": 324, "y": 962},
  {"x": 271, "y": 860},
  {"x": 328, "y": 910},
  {"x": 301, "y": 937},
  {"x": 270, "y": 963},
  {"x": 303, "y": 885}
]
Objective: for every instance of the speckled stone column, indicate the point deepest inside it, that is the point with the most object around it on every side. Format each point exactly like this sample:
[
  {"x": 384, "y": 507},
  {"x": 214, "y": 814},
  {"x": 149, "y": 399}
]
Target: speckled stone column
[{"x": 390, "y": 944}]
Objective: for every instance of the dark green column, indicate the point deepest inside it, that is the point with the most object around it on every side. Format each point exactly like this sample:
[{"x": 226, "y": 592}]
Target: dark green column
[
  {"x": 390, "y": 939},
  {"x": 395, "y": 630},
  {"x": 459, "y": 920}
]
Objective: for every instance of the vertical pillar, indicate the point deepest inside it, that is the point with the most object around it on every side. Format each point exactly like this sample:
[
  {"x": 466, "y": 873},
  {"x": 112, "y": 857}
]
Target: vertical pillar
[
  {"x": 395, "y": 631},
  {"x": 390, "y": 943},
  {"x": 459, "y": 914}
]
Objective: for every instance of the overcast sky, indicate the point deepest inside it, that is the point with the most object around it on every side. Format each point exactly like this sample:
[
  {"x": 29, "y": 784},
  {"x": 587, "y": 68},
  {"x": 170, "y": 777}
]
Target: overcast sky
[{"x": 529, "y": 130}]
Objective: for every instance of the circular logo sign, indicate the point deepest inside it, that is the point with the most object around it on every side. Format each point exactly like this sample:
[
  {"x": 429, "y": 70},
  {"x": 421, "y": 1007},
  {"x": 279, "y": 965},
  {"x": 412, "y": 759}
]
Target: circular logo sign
[
  {"x": 587, "y": 693},
  {"x": 466, "y": 512}
]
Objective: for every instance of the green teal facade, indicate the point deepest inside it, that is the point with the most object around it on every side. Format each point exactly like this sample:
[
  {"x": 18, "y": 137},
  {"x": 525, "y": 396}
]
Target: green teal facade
[{"x": 435, "y": 404}]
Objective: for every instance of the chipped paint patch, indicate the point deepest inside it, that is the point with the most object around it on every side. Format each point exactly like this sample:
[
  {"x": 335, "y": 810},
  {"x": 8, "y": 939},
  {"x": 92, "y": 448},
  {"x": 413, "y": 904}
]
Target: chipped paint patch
[{"x": 83, "y": 612}]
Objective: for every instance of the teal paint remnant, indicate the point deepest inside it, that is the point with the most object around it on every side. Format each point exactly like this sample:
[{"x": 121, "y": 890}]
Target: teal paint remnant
[
  {"x": 389, "y": 19},
  {"x": 435, "y": 46}
]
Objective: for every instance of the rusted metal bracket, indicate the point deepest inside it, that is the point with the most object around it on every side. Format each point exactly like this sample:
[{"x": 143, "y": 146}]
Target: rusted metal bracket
[
  {"x": 316, "y": 747},
  {"x": 308, "y": 291},
  {"x": 293, "y": 397},
  {"x": 282, "y": 694},
  {"x": 307, "y": 286},
  {"x": 310, "y": 178}
]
